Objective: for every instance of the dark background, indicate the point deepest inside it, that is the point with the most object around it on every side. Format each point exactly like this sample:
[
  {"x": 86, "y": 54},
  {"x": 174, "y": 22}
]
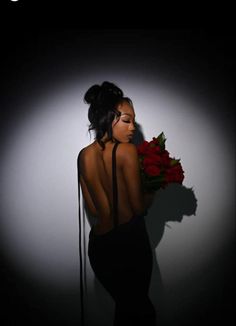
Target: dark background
[{"x": 28, "y": 56}]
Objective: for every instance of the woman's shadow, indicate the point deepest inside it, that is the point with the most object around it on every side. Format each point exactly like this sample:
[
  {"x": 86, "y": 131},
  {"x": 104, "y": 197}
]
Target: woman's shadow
[{"x": 170, "y": 204}]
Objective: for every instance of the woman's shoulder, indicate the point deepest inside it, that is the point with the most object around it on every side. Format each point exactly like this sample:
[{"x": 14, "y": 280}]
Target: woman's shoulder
[
  {"x": 124, "y": 147},
  {"x": 126, "y": 151},
  {"x": 89, "y": 148},
  {"x": 85, "y": 157},
  {"x": 84, "y": 152}
]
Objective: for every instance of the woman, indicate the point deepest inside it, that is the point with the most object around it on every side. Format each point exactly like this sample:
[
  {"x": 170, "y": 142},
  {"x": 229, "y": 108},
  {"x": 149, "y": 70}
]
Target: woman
[{"x": 119, "y": 249}]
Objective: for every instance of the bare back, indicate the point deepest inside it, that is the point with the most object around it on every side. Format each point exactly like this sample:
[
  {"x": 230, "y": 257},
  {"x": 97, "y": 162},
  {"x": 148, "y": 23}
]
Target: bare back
[{"x": 97, "y": 187}]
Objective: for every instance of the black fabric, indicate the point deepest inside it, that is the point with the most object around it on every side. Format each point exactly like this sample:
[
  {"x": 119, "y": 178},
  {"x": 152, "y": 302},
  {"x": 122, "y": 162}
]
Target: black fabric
[
  {"x": 114, "y": 184},
  {"x": 122, "y": 261}
]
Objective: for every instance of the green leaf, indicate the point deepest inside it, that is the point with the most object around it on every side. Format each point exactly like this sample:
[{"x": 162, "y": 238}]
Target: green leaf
[
  {"x": 174, "y": 161},
  {"x": 161, "y": 140}
]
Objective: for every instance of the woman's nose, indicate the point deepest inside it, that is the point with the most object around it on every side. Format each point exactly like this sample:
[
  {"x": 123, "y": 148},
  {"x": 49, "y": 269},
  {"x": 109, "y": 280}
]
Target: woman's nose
[{"x": 132, "y": 127}]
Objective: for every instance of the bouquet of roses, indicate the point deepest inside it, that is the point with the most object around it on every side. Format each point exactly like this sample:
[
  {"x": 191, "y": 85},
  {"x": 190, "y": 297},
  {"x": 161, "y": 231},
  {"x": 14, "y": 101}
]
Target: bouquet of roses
[{"x": 158, "y": 169}]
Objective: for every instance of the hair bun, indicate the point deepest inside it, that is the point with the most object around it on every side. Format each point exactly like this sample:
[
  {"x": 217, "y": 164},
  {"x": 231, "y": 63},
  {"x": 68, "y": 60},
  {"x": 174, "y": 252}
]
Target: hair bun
[
  {"x": 111, "y": 88},
  {"x": 97, "y": 93},
  {"x": 92, "y": 94}
]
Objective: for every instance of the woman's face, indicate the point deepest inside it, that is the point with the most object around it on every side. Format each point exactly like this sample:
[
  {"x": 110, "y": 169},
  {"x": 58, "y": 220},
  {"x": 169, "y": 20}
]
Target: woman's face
[{"x": 123, "y": 127}]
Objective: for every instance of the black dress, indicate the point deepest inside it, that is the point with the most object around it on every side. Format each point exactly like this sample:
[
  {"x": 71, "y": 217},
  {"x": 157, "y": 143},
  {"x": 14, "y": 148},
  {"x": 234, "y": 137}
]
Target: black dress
[{"x": 122, "y": 261}]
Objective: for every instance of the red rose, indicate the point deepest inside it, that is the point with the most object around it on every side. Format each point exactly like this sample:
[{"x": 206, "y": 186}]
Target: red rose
[
  {"x": 158, "y": 168},
  {"x": 153, "y": 149},
  {"x": 174, "y": 174},
  {"x": 165, "y": 158},
  {"x": 155, "y": 140},
  {"x": 152, "y": 170},
  {"x": 143, "y": 148},
  {"x": 151, "y": 160}
]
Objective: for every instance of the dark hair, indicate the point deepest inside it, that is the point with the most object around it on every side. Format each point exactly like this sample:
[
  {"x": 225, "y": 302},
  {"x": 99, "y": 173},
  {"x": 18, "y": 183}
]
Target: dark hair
[{"x": 103, "y": 100}]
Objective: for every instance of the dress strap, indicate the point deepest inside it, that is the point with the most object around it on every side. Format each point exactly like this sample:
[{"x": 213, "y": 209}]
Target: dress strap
[
  {"x": 81, "y": 242},
  {"x": 114, "y": 187}
]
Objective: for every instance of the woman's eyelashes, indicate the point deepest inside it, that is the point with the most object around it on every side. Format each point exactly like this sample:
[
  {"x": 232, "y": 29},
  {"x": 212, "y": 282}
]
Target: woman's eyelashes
[{"x": 128, "y": 121}]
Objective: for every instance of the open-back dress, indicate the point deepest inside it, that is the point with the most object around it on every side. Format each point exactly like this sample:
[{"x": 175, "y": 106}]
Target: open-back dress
[{"x": 122, "y": 261}]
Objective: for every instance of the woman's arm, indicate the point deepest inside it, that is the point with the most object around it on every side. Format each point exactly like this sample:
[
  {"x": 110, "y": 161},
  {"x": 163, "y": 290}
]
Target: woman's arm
[
  {"x": 88, "y": 200},
  {"x": 139, "y": 201}
]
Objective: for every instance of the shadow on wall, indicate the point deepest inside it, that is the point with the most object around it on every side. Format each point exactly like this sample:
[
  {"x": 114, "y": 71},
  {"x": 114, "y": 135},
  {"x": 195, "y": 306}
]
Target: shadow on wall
[{"x": 170, "y": 204}]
